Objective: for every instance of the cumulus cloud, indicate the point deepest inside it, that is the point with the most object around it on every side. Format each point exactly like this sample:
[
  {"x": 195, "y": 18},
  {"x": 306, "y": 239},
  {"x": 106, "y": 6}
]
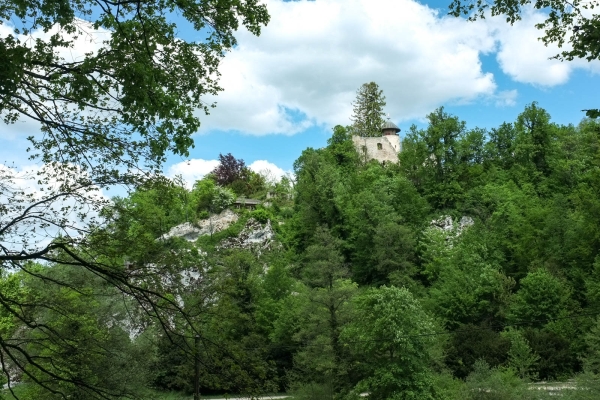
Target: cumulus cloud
[
  {"x": 307, "y": 64},
  {"x": 196, "y": 168},
  {"x": 269, "y": 170},
  {"x": 85, "y": 40},
  {"x": 305, "y": 67},
  {"x": 192, "y": 170},
  {"x": 506, "y": 98},
  {"x": 523, "y": 57}
]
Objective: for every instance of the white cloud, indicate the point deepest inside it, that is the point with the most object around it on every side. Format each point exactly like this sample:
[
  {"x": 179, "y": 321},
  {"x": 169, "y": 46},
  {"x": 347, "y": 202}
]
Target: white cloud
[
  {"x": 312, "y": 57},
  {"x": 269, "y": 170},
  {"x": 305, "y": 67},
  {"x": 192, "y": 170},
  {"x": 86, "y": 39},
  {"x": 196, "y": 168},
  {"x": 506, "y": 98},
  {"x": 526, "y": 59}
]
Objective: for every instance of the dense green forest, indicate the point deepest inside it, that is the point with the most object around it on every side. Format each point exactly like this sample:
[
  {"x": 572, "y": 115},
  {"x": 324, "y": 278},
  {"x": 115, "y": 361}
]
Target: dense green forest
[{"x": 470, "y": 269}]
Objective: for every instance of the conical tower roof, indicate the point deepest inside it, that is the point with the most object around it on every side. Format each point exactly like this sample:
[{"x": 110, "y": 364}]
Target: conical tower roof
[{"x": 389, "y": 125}]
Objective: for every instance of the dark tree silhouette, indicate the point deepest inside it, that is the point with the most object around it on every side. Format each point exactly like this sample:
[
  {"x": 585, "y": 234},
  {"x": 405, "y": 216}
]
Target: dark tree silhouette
[{"x": 229, "y": 170}]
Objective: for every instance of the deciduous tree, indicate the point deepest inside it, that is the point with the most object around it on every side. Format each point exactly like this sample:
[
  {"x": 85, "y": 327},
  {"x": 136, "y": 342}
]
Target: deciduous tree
[
  {"x": 108, "y": 117},
  {"x": 391, "y": 332},
  {"x": 229, "y": 170}
]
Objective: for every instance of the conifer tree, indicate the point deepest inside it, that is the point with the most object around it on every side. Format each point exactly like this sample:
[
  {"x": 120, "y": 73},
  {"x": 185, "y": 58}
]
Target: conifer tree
[{"x": 367, "y": 115}]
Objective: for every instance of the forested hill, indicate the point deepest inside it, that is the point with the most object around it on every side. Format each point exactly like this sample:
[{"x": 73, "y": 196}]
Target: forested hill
[{"x": 468, "y": 269}]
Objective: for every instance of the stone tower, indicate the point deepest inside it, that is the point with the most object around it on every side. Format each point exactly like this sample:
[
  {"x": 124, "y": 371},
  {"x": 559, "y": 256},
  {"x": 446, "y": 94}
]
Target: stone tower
[{"x": 384, "y": 148}]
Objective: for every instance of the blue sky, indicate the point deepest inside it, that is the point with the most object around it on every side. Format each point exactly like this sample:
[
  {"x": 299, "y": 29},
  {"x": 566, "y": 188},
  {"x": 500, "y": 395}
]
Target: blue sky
[{"x": 286, "y": 89}]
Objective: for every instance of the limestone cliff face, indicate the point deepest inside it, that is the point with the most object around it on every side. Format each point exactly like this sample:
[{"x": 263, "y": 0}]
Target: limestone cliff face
[
  {"x": 446, "y": 223},
  {"x": 214, "y": 224},
  {"x": 382, "y": 148},
  {"x": 452, "y": 229},
  {"x": 179, "y": 279},
  {"x": 254, "y": 235}
]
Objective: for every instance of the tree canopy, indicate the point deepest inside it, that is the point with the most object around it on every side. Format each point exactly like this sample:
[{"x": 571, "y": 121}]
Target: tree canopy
[
  {"x": 132, "y": 99},
  {"x": 109, "y": 116},
  {"x": 468, "y": 270}
]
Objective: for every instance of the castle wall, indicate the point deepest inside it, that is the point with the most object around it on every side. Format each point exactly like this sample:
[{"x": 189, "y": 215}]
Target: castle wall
[
  {"x": 395, "y": 142},
  {"x": 382, "y": 148}
]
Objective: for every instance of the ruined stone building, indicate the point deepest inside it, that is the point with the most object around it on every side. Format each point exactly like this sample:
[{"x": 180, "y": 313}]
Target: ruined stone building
[{"x": 384, "y": 148}]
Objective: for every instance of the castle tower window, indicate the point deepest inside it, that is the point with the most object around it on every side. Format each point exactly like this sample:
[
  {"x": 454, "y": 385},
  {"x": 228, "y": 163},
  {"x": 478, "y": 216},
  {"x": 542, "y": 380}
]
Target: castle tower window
[{"x": 379, "y": 146}]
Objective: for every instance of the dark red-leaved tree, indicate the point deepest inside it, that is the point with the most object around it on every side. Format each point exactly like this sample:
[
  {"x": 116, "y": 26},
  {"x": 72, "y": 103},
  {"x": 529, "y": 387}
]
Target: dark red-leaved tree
[{"x": 229, "y": 170}]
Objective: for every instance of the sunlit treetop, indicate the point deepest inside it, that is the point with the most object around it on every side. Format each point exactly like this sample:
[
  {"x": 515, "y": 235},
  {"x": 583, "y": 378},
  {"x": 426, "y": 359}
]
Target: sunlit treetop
[{"x": 135, "y": 94}]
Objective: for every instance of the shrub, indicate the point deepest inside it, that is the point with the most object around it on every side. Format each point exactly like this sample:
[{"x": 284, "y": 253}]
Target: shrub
[
  {"x": 261, "y": 215},
  {"x": 471, "y": 343},
  {"x": 486, "y": 383},
  {"x": 203, "y": 215}
]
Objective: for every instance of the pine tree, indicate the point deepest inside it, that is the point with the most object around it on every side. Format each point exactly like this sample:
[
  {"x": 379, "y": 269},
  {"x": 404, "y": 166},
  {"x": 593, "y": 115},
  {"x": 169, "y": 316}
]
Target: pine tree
[{"x": 367, "y": 117}]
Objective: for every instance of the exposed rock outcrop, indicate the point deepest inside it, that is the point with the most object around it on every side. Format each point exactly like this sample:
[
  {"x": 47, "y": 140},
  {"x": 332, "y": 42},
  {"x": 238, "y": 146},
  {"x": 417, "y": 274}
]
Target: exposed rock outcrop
[
  {"x": 446, "y": 223},
  {"x": 451, "y": 228},
  {"x": 214, "y": 224},
  {"x": 255, "y": 236}
]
